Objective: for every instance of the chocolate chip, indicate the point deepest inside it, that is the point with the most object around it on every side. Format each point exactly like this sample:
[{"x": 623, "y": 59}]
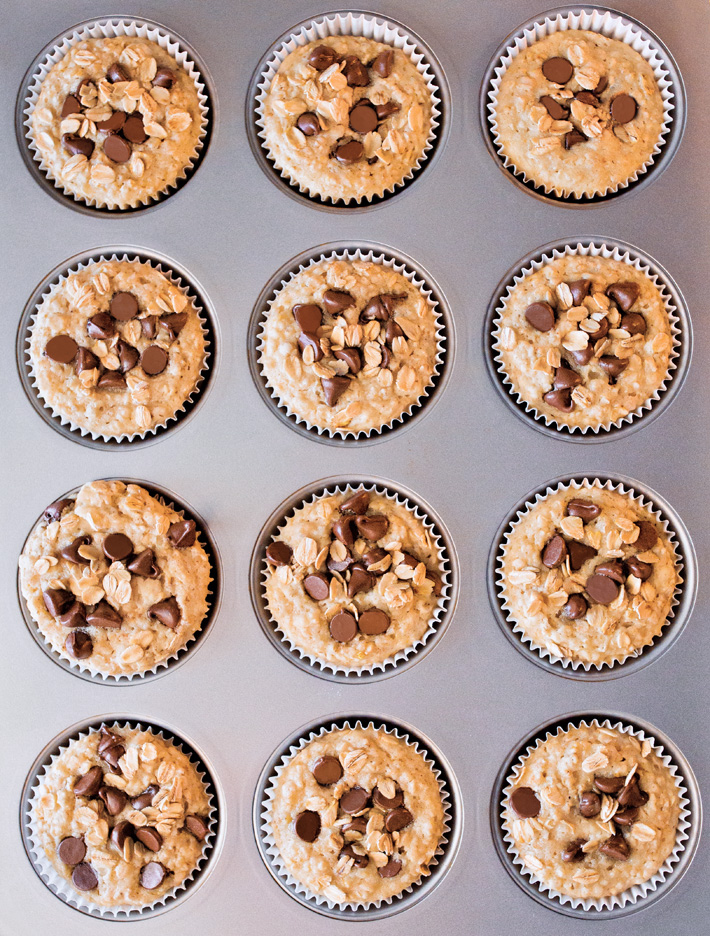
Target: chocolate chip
[
  {"x": 152, "y": 875},
  {"x": 327, "y": 770},
  {"x": 363, "y": 118},
  {"x": 648, "y": 536},
  {"x": 373, "y": 622},
  {"x": 554, "y": 553},
  {"x": 112, "y": 754},
  {"x": 111, "y": 380},
  {"x": 164, "y": 78},
  {"x": 392, "y": 331},
  {"x": 77, "y": 145},
  {"x": 573, "y": 138},
  {"x": 557, "y": 70},
  {"x": 79, "y": 645},
  {"x": 634, "y": 323},
  {"x": 117, "y": 546},
  {"x": 575, "y": 608},
  {"x": 145, "y": 798},
  {"x": 335, "y": 565},
  {"x": 279, "y": 553},
  {"x": 373, "y": 557},
  {"x": 573, "y": 851},
  {"x": 57, "y": 600},
  {"x": 348, "y": 152},
  {"x": 601, "y": 85},
  {"x": 386, "y": 110},
  {"x": 84, "y": 878},
  {"x": 100, "y": 326},
  {"x": 308, "y": 124},
  {"x": 322, "y": 57},
  {"x": 587, "y": 97},
  {"x": 602, "y": 589},
  {"x": 525, "y": 803},
  {"x": 183, "y": 533},
  {"x": 579, "y": 290},
  {"x": 351, "y": 356},
  {"x": 627, "y": 816},
  {"x": 355, "y": 72},
  {"x": 197, "y": 826},
  {"x": 334, "y": 388},
  {"x": 601, "y": 332},
  {"x": 541, "y": 316},
  {"x": 127, "y": 355},
  {"x": 590, "y": 804},
  {"x": 104, "y": 615},
  {"x": 116, "y": 148},
  {"x": 307, "y": 825},
  {"x": 154, "y": 360},
  {"x": 372, "y": 527},
  {"x": 623, "y": 108},
  {"x": 71, "y": 850},
  {"x": 306, "y": 340},
  {"x": 566, "y": 378},
  {"x": 134, "y": 130},
  {"x": 354, "y": 800},
  {"x": 356, "y": 504},
  {"x": 343, "y": 531},
  {"x": 61, "y": 348},
  {"x": 90, "y": 783},
  {"x": 309, "y": 316},
  {"x": 586, "y": 509},
  {"x": 116, "y": 73},
  {"x": 123, "y": 306},
  {"x": 150, "y": 837},
  {"x": 360, "y": 580},
  {"x": 74, "y": 616},
  {"x": 624, "y": 294},
  {"x": 579, "y": 553},
  {"x": 149, "y": 326},
  {"x": 391, "y": 869},
  {"x": 173, "y": 324},
  {"x": 113, "y": 124},
  {"x": 609, "y": 785},
  {"x": 613, "y": 568},
  {"x": 336, "y": 301},
  {"x": 398, "y": 819},
  {"x": 584, "y": 356},
  {"x": 387, "y": 802},
  {"x": 144, "y": 564},
  {"x": 71, "y": 552},
  {"x": 641, "y": 570},
  {"x": 114, "y": 799},
  {"x": 107, "y": 739},
  {"x": 56, "y": 509},
  {"x": 616, "y": 847},
  {"x": 632, "y": 794},
  {"x": 166, "y": 611},
  {"x": 613, "y": 366},
  {"x": 359, "y": 861},
  {"x": 375, "y": 310},
  {"x": 317, "y": 586},
  {"x": 555, "y": 110},
  {"x": 559, "y": 399},
  {"x": 356, "y": 824},
  {"x": 85, "y": 360},
  {"x": 343, "y": 627},
  {"x": 383, "y": 63},
  {"x": 71, "y": 106}
]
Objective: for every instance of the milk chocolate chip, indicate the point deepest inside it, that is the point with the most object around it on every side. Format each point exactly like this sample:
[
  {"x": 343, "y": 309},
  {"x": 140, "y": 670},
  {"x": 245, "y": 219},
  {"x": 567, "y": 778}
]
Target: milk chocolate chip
[
  {"x": 343, "y": 627},
  {"x": 557, "y": 70},
  {"x": 307, "y": 825},
  {"x": 525, "y": 803},
  {"x": 327, "y": 770},
  {"x": 586, "y": 509},
  {"x": 541, "y": 316},
  {"x": 61, "y": 348},
  {"x": 554, "y": 553}
]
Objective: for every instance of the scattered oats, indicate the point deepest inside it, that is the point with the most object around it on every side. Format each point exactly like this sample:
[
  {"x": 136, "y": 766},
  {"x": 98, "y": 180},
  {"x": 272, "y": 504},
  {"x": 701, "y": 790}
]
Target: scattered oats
[
  {"x": 530, "y": 861},
  {"x": 643, "y": 832},
  {"x": 575, "y": 341},
  {"x": 179, "y": 120},
  {"x": 586, "y": 875},
  {"x": 306, "y": 552},
  {"x": 75, "y": 165},
  {"x": 597, "y": 761},
  {"x": 154, "y": 129},
  {"x": 522, "y": 577},
  {"x": 406, "y": 379}
]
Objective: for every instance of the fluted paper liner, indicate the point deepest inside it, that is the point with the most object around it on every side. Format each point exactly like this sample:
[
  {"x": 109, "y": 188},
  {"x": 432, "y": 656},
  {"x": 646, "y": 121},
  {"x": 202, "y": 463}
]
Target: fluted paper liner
[
  {"x": 111, "y": 28},
  {"x": 63, "y": 887},
  {"x": 633, "y": 894},
  {"x": 595, "y": 249},
  {"x": 578, "y": 486},
  {"x": 443, "y": 568},
  {"x": 266, "y": 831},
  {"x": 368, "y": 26},
  {"x": 607, "y": 23}
]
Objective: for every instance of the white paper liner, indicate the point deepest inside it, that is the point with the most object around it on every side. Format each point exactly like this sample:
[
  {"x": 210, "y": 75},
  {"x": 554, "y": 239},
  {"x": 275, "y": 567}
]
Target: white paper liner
[
  {"x": 266, "y": 830},
  {"x": 63, "y": 887},
  {"x": 367, "y": 26},
  {"x": 108, "y": 29},
  {"x": 530, "y": 505},
  {"x": 596, "y": 249},
  {"x": 173, "y": 278},
  {"x": 613, "y": 26},
  {"x": 633, "y": 894},
  {"x": 108, "y": 679},
  {"x": 441, "y": 341},
  {"x": 443, "y": 568}
]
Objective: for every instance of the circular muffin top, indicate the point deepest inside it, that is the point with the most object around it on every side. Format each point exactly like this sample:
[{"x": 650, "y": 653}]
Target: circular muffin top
[
  {"x": 117, "y": 121},
  {"x": 353, "y": 578},
  {"x": 349, "y": 345},
  {"x": 584, "y": 340},
  {"x": 578, "y": 113},
  {"x": 116, "y": 348},
  {"x": 121, "y": 814},
  {"x": 589, "y": 574},
  {"x": 346, "y": 117},
  {"x": 593, "y": 811},
  {"x": 357, "y": 815},
  {"x": 115, "y": 579}
]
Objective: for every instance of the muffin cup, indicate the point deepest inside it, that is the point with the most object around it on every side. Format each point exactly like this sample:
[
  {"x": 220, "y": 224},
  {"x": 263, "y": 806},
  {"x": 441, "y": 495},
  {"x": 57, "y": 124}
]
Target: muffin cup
[
  {"x": 108, "y": 27},
  {"x": 57, "y": 278},
  {"x": 638, "y": 896},
  {"x": 347, "y": 23},
  {"x": 447, "y": 568},
  {"x": 371, "y": 910},
  {"x": 682, "y": 601},
  {"x": 610, "y": 23},
  {"x": 82, "y": 668},
  {"x": 60, "y": 887},
  {"x": 680, "y": 328},
  {"x": 369, "y": 252}
]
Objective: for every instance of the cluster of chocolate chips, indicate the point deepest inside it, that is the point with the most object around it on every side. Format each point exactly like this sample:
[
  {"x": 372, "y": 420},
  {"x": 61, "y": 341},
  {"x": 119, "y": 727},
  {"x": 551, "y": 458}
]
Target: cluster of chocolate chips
[
  {"x": 102, "y": 327},
  {"x": 542, "y": 317},
  {"x": 364, "y": 116},
  {"x": 72, "y": 849},
  {"x": 602, "y": 586},
  {"x": 353, "y": 806},
  {"x": 120, "y": 131},
  {"x": 622, "y": 107}
]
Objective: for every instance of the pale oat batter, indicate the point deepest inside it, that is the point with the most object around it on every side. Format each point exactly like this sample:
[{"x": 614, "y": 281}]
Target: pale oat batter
[
  {"x": 117, "y": 121},
  {"x": 349, "y": 345},
  {"x": 316, "y": 135},
  {"x": 589, "y": 574},
  {"x": 373, "y": 823},
  {"x": 119, "y": 376},
  {"x": 606, "y": 347},
  {"x": 115, "y": 615},
  {"x": 113, "y": 848},
  {"x": 353, "y": 579},
  {"x": 578, "y": 113},
  {"x": 582, "y": 822}
]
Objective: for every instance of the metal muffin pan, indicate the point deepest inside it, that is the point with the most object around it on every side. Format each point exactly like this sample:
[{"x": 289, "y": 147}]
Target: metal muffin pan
[
  {"x": 210, "y": 328},
  {"x": 685, "y": 593},
  {"x": 214, "y": 595},
  {"x": 283, "y": 276},
  {"x": 671, "y": 140},
  {"x": 325, "y": 204},
  {"x": 212, "y": 784},
  {"x": 674, "y": 383},
  {"x": 449, "y": 847},
  {"x": 686, "y": 855},
  {"x": 76, "y": 203},
  {"x": 258, "y": 561}
]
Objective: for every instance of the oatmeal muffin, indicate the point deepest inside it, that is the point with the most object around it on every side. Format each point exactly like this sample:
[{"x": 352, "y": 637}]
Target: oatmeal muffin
[
  {"x": 117, "y": 121},
  {"x": 116, "y": 349},
  {"x": 353, "y": 578},
  {"x": 122, "y": 816},
  {"x": 349, "y": 345},
  {"x": 589, "y": 574},
  {"x": 592, "y": 811},
  {"x": 584, "y": 340},
  {"x": 357, "y": 815},
  {"x": 347, "y": 118},
  {"x": 579, "y": 114},
  {"x": 115, "y": 580}
]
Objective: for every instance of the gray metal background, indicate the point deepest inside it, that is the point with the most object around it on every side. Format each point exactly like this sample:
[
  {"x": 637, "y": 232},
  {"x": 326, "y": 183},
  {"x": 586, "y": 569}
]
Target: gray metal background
[{"x": 238, "y": 698}]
